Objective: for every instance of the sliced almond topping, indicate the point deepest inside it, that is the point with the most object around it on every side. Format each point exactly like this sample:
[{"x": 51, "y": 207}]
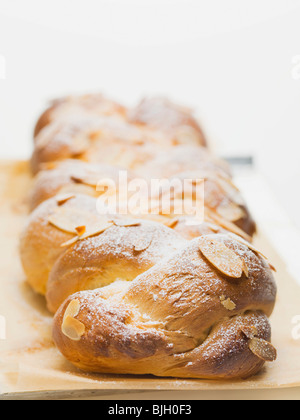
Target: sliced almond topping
[
  {"x": 228, "y": 303},
  {"x": 91, "y": 231},
  {"x": 97, "y": 229},
  {"x": 78, "y": 189},
  {"x": 70, "y": 242},
  {"x": 172, "y": 223},
  {"x": 72, "y": 328},
  {"x": 214, "y": 228},
  {"x": 95, "y": 180},
  {"x": 249, "y": 332},
  {"x": 246, "y": 269},
  {"x": 67, "y": 219},
  {"x": 142, "y": 244},
  {"x": 77, "y": 179},
  {"x": 222, "y": 257},
  {"x": 73, "y": 308},
  {"x": 250, "y": 246},
  {"x": 94, "y": 135},
  {"x": 255, "y": 250},
  {"x": 126, "y": 223},
  {"x": 80, "y": 223},
  {"x": 263, "y": 349},
  {"x": 63, "y": 198},
  {"x": 227, "y": 184},
  {"x": 231, "y": 212},
  {"x": 80, "y": 230},
  {"x": 90, "y": 180},
  {"x": 84, "y": 180},
  {"x": 80, "y": 144},
  {"x": 63, "y": 222},
  {"x": 226, "y": 224}
]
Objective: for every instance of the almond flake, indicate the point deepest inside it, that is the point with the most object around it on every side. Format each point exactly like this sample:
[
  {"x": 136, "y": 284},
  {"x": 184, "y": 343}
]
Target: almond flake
[
  {"x": 73, "y": 308},
  {"x": 222, "y": 257},
  {"x": 250, "y": 246},
  {"x": 172, "y": 223},
  {"x": 79, "y": 145},
  {"x": 78, "y": 189},
  {"x": 72, "y": 328},
  {"x": 63, "y": 198},
  {"x": 256, "y": 251},
  {"x": 93, "y": 180},
  {"x": 80, "y": 230},
  {"x": 249, "y": 332},
  {"x": 246, "y": 269},
  {"x": 86, "y": 180},
  {"x": 142, "y": 244},
  {"x": 263, "y": 349},
  {"x": 228, "y": 303},
  {"x": 70, "y": 242},
  {"x": 213, "y": 228},
  {"x": 69, "y": 219},
  {"x": 97, "y": 229},
  {"x": 63, "y": 222},
  {"x": 230, "y": 191},
  {"x": 226, "y": 224},
  {"x": 126, "y": 223},
  {"x": 231, "y": 212}
]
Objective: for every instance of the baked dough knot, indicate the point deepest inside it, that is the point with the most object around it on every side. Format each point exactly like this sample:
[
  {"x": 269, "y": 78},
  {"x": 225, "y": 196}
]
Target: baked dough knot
[{"x": 200, "y": 313}]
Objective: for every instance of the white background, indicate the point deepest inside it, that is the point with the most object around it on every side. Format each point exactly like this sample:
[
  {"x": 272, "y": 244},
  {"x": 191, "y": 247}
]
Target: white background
[{"x": 237, "y": 62}]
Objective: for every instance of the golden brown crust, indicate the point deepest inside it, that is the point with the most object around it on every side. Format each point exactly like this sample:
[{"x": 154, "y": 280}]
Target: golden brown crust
[
  {"x": 221, "y": 197},
  {"x": 110, "y": 140},
  {"x": 40, "y": 243},
  {"x": 119, "y": 253},
  {"x": 222, "y": 200},
  {"x": 177, "y": 122},
  {"x": 75, "y": 176},
  {"x": 181, "y": 159},
  {"x": 189, "y": 229},
  {"x": 93, "y": 104},
  {"x": 55, "y": 223},
  {"x": 101, "y": 131},
  {"x": 67, "y": 138},
  {"x": 170, "y": 321},
  {"x": 159, "y": 293}
]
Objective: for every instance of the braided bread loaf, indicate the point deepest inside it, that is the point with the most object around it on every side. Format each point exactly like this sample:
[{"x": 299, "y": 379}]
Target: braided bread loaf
[
  {"x": 144, "y": 292},
  {"x": 93, "y": 129},
  {"x": 184, "y": 317}
]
